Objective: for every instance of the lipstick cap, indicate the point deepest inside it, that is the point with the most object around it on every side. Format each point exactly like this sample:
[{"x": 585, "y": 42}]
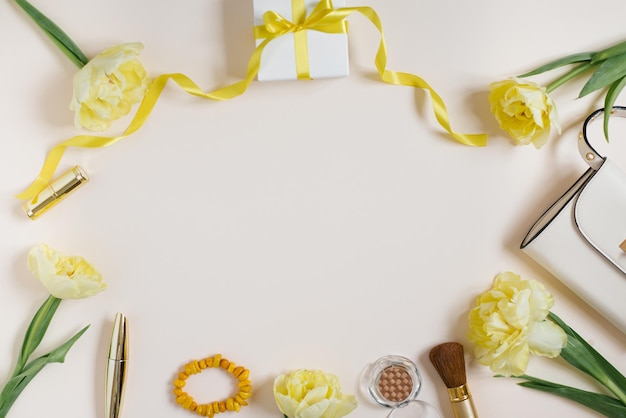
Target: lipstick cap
[
  {"x": 55, "y": 192},
  {"x": 118, "y": 349}
]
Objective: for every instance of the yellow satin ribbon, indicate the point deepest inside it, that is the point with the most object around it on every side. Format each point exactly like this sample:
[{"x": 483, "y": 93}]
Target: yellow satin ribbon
[
  {"x": 300, "y": 40},
  {"x": 323, "y": 18}
]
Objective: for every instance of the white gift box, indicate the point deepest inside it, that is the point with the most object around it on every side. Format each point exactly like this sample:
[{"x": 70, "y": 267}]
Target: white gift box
[{"x": 327, "y": 52}]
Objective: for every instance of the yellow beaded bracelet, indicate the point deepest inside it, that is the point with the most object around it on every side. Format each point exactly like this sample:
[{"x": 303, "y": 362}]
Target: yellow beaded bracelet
[{"x": 212, "y": 408}]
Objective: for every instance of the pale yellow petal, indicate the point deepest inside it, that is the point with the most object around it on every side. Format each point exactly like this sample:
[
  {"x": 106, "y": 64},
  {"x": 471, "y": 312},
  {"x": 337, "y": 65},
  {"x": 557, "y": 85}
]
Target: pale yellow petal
[
  {"x": 311, "y": 394},
  {"x": 507, "y": 324},
  {"x": 287, "y": 405},
  {"x": 546, "y": 339},
  {"x": 64, "y": 277},
  {"x": 511, "y": 362},
  {"x": 524, "y": 110},
  {"x": 316, "y": 410},
  {"x": 347, "y": 404},
  {"x": 108, "y": 86}
]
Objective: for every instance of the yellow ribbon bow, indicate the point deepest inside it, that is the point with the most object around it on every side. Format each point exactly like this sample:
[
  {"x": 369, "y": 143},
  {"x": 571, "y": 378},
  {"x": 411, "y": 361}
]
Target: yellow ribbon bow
[
  {"x": 320, "y": 19},
  {"x": 323, "y": 18}
]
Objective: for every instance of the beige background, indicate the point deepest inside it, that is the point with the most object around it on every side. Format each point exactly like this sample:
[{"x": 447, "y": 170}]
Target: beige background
[{"x": 302, "y": 225}]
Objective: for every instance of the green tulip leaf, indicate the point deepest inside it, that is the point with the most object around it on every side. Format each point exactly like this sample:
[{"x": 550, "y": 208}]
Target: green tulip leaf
[
  {"x": 610, "y": 52},
  {"x": 605, "y": 405},
  {"x": 608, "y": 72},
  {"x": 611, "y": 95},
  {"x": 55, "y": 33},
  {"x": 570, "y": 59},
  {"x": 585, "y": 358},
  {"x": 18, "y": 383}
]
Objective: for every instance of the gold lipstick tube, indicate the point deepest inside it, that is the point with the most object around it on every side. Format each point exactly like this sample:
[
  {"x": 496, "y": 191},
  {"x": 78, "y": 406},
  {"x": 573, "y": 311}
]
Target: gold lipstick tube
[{"x": 55, "y": 192}]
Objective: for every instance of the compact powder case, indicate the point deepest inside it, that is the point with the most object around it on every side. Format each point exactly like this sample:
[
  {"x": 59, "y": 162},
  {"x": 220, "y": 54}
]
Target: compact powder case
[{"x": 394, "y": 382}]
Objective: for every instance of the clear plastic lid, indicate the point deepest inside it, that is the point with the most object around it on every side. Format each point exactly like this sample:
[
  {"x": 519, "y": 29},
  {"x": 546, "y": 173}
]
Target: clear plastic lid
[
  {"x": 394, "y": 382},
  {"x": 415, "y": 409}
]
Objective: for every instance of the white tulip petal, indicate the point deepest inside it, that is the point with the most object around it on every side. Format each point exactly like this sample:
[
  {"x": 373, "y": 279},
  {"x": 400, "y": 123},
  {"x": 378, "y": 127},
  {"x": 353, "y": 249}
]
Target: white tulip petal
[
  {"x": 64, "y": 277},
  {"x": 546, "y": 339}
]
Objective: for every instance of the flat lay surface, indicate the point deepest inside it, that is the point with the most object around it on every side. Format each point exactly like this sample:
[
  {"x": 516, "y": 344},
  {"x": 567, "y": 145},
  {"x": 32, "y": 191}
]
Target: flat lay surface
[{"x": 309, "y": 224}]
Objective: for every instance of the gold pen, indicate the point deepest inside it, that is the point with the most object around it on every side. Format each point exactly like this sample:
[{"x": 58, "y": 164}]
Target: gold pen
[{"x": 117, "y": 364}]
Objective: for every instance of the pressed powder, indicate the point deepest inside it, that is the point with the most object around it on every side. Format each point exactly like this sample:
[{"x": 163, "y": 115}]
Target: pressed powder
[
  {"x": 395, "y": 384},
  {"x": 393, "y": 381}
]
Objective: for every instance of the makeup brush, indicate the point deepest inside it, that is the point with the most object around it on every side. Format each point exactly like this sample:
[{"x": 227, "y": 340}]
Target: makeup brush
[{"x": 449, "y": 361}]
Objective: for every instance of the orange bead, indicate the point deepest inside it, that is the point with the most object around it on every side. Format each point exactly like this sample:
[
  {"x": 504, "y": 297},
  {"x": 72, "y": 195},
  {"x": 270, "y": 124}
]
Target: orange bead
[
  {"x": 237, "y": 371},
  {"x": 244, "y": 383}
]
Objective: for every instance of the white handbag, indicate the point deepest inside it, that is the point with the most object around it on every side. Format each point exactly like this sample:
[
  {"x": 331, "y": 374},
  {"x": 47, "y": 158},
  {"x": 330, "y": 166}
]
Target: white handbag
[{"x": 581, "y": 238}]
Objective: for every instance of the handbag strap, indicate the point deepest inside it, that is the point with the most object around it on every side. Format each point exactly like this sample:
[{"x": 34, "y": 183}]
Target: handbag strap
[{"x": 589, "y": 154}]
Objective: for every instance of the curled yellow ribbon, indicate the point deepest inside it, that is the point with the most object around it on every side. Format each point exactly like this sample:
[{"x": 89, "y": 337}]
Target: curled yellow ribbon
[{"x": 323, "y": 18}]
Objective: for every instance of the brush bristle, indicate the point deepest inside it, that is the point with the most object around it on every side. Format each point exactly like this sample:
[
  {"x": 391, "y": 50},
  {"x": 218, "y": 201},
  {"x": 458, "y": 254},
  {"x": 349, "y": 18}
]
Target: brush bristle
[{"x": 449, "y": 361}]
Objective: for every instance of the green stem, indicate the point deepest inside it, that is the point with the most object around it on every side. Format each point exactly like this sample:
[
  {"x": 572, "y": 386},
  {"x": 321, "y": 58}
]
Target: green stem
[
  {"x": 569, "y": 75},
  {"x": 8, "y": 395},
  {"x": 617, "y": 391},
  {"x": 36, "y": 331}
]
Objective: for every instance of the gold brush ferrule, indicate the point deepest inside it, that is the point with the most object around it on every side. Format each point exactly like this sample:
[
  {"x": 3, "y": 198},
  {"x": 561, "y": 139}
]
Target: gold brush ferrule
[
  {"x": 55, "y": 192},
  {"x": 459, "y": 393},
  {"x": 462, "y": 402}
]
